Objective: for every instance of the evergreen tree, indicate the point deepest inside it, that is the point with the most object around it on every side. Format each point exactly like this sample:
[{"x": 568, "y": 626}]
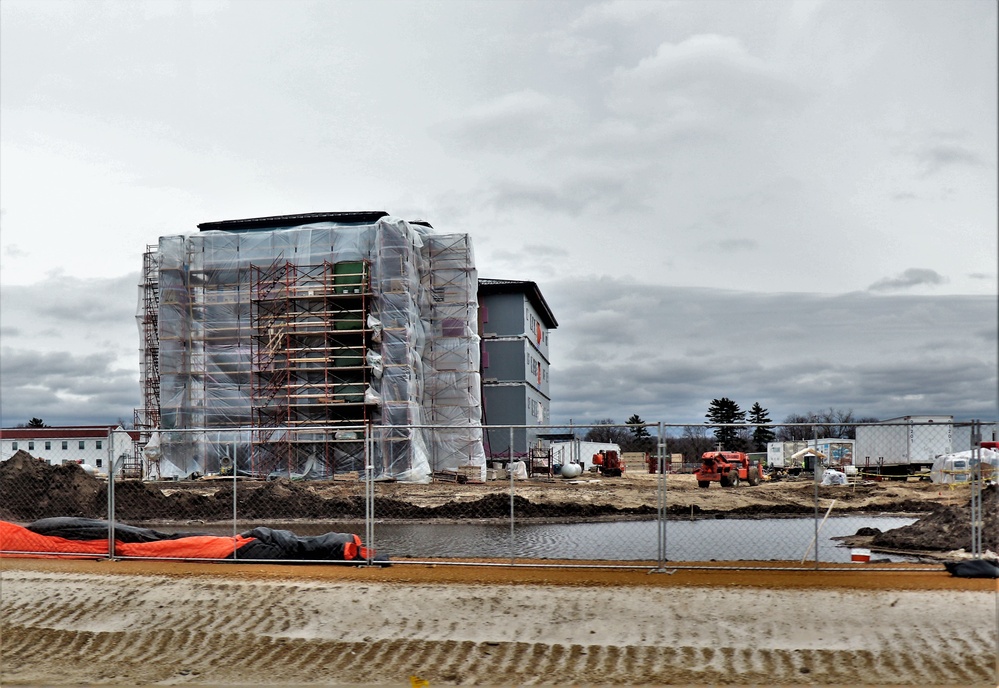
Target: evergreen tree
[
  {"x": 641, "y": 440},
  {"x": 759, "y": 417},
  {"x": 724, "y": 411},
  {"x": 36, "y": 423}
]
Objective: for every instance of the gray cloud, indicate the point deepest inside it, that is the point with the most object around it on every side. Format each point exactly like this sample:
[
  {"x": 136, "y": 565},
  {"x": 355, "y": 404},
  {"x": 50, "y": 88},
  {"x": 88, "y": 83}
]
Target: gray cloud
[
  {"x": 572, "y": 196},
  {"x": 937, "y": 157},
  {"x": 913, "y": 277},
  {"x": 703, "y": 77},
  {"x": 65, "y": 388},
  {"x": 70, "y": 350},
  {"x": 737, "y": 245},
  {"x": 513, "y": 121},
  {"x": 664, "y": 353},
  {"x": 65, "y": 298}
]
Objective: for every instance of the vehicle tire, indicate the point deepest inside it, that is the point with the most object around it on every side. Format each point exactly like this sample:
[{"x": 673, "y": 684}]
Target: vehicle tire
[
  {"x": 704, "y": 483},
  {"x": 754, "y": 474},
  {"x": 724, "y": 480},
  {"x": 733, "y": 479}
]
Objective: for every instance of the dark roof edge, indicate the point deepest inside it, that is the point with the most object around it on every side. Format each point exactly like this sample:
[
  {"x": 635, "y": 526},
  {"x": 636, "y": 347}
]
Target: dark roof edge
[
  {"x": 498, "y": 286},
  {"x": 274, "y": 221}
]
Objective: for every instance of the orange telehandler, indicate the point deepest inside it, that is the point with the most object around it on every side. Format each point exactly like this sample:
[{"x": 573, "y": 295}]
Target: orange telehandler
[{"x": 727, "y": 468}]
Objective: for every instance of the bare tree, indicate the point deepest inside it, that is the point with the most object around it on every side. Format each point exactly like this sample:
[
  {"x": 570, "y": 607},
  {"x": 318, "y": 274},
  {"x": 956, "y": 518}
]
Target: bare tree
[
  {"x": 603, "y": 431},
  {"x": 830, "y": 424},
  {"x": 691, "y": 442}
]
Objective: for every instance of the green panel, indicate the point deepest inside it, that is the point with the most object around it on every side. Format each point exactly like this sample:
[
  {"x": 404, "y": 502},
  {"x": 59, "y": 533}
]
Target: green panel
[
  {"x": 351, "y": 394},
  {"x": 348, "y": 277},
  {"x": 347, "y": 358},
  {"x": 347, "y": 377}
]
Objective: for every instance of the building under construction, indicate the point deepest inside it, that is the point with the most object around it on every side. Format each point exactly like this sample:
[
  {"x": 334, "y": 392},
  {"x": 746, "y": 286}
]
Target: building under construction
[{"x": 302, "y": 344}]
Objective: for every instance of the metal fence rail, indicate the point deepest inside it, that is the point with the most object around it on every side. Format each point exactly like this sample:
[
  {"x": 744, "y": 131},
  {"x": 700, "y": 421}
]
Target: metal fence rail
[{"x": 657, "y": 496}]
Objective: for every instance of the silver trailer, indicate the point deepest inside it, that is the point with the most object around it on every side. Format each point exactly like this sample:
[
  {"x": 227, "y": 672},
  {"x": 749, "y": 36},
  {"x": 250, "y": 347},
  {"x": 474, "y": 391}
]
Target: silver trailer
[{"x": 905, "y": 444}]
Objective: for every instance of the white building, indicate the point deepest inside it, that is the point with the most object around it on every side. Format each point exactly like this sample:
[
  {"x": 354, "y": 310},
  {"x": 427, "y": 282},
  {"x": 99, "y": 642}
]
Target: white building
[{"x": 91, "y": 445}]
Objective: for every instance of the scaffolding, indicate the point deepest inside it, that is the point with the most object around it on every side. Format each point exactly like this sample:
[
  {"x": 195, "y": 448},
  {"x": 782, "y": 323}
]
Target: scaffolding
[
  {"x": 310, "y": 365},
  {"x": 290, "y": 345},
  {"x": 453, "y": 350},
  {"x": 147, "y": 417}
]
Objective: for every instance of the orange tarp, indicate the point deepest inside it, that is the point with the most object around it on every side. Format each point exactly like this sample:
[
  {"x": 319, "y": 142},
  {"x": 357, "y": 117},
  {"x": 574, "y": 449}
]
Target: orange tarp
[{"x": 18, "y": 541}]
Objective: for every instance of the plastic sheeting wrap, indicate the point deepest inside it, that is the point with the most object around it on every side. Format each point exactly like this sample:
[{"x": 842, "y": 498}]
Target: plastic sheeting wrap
[
  {"x": 957, "y": 466},
  {"x": 397, "y": 359}
]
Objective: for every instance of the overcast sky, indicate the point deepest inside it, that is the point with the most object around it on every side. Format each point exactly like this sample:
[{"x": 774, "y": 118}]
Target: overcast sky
[{"x": 790, "y": 203}]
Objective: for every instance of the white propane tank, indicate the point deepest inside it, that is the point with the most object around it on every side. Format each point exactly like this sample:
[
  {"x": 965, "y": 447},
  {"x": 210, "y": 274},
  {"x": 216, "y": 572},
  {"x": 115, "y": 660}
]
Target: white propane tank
[{"x": 571, "y": 470}]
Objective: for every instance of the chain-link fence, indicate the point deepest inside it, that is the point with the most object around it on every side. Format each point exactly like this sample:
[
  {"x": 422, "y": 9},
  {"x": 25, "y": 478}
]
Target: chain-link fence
[{"x": 655, "y": 495}]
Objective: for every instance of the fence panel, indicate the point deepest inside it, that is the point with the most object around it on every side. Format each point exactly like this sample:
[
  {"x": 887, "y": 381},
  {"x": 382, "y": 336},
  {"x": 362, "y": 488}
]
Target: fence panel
[
  {"x": 46, "y": 481},
  {"x": 610, "y": 494}
]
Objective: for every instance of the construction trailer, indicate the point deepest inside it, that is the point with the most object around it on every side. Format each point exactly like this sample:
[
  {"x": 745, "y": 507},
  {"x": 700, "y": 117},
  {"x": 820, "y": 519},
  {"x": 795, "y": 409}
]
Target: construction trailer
[
  {"x": 837, "y": 452},
  {"x": 909, "y": 444},
  {"x": 779, "y": 453},
  {"x": 310, "y": 345}
]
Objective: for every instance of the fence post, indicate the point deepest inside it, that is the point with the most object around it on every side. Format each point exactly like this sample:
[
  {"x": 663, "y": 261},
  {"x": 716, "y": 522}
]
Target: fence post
[
  {"x": 369, "y": 492},
  {"x": 513, "y": 550},
  {"x": 977, "y": 518},
  {"x": 661, "y": 505},
  {"x": 235, "y": 513},
  {"x": 110, "y": 504},
  {"x": 815, "y": 480}
]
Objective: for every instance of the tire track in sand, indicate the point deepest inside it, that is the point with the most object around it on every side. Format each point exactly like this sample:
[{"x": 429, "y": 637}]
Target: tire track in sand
[{"x": 154, "y": 632}]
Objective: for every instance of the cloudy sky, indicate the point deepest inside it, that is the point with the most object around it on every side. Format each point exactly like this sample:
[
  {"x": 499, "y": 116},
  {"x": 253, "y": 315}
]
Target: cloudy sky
[{"x": 785, "y": 202}]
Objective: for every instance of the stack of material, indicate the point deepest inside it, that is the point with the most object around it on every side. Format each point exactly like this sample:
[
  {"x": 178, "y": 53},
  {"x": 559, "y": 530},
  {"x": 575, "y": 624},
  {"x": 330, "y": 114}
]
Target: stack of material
[{"x": 635, "y": 462}]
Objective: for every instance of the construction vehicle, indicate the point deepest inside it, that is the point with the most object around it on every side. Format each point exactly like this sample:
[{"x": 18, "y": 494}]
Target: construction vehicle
[
  {"x": 609, "y": 463},
  {"x": 728, "y": 469}
]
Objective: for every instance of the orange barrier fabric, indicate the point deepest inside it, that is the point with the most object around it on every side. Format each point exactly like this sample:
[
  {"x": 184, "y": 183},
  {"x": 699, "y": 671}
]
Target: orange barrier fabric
[
  {"x": 15, "y": 538},
  {"x": 18, "y": 541},
  {"x": 194, "y": 547}
]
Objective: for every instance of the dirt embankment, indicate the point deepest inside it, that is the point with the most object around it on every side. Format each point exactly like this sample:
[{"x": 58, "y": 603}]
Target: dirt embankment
[{"x": 31, "y": 489}]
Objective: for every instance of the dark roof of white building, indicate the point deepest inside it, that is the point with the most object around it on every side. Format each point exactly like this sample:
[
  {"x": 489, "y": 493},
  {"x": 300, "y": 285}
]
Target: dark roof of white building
[{"x": 71, "y": 432}]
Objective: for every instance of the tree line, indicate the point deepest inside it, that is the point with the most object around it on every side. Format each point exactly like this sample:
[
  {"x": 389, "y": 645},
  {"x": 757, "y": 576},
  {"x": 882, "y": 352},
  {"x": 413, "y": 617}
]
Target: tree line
[{"x": 731, "y": 428}]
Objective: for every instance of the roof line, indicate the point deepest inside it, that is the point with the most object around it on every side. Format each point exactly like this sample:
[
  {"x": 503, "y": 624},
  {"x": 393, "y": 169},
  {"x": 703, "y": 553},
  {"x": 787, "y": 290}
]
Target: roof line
[{"x": 275, "y": 221}]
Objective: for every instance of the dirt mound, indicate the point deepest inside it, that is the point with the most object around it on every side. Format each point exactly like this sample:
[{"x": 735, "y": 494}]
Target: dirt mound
[
  {"x": 31, "y": 488},
  {"x": 278, "y": 499},
  {"x": 946, "y": 528}
]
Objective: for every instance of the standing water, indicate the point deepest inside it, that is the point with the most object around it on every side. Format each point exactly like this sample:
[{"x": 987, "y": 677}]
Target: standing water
[{"x": 731, "y": 539}]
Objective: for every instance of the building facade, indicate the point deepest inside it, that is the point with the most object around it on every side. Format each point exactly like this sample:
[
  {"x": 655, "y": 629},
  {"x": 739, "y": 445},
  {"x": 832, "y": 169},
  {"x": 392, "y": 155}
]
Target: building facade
[
  {"x": 514, "y": 322},
  {"x": 96, "y": 446},
  {"x": 313, "y": 344}
]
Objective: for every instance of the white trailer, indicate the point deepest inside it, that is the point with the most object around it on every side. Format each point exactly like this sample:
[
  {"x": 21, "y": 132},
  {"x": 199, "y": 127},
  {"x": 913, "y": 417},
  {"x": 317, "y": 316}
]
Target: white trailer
[
  {"x": 579, "y": 451},
  {"x": 779, "y": 453},
  {"x": 839, "y": 452},
  {"x": 903, "y": 445},
  {"x": 834, "y": 452}
]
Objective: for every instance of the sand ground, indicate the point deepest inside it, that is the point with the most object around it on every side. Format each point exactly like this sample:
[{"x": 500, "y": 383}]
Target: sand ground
[{"x": 172, "y": 623}]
